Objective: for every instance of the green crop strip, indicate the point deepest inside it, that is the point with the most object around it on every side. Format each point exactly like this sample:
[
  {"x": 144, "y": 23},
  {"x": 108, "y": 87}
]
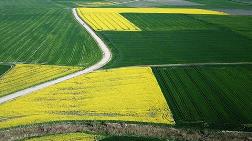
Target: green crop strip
[
  {"x": 239, "y": 24},
  {"x": 168, "y": 22},
  {"x": 37, "y": 34},
  {"x": 170, "y": 47},
  {"x": 4, "y": 68},
  {"x": 179, "y": 38},
  {"x": 223, "y": 3},
  {"x": 213, "y": 96}
]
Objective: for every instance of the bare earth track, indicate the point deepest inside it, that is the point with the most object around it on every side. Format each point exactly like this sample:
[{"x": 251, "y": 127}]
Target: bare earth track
[
  {"x": 106, "y": 57},
  {"x": 116, "y": 129},
  {"x": 201, "y": 64}
]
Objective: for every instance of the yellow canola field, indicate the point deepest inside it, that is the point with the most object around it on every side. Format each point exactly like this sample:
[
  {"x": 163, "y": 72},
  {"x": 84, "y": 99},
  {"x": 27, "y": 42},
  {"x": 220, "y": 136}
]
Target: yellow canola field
[
  {"x": 26, "y": 75},
  {"x": 95, "y": 4},
  {"x": 110, "y": 19},
  {"x": 100, "y": 21},
  {"x": 68, "y": 137},
  {"x": 125, "y": 94},
  {"x": 152, "y": 10}
]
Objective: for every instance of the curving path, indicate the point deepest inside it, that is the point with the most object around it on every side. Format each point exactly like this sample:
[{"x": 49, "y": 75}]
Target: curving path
[{"x": 106, "y": 57}]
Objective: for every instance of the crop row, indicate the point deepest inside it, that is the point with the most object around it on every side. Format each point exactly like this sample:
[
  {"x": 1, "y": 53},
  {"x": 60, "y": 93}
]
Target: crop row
[
  {"x": 46, "y": 37},
  {"x": 182, "y": 46},
  {"x": 239, "y": 24},
  {"x": 25, "y": 75},
  {"x": 95, "y": 4},
  {"x": 178, "y": 38},
  {"x": 126, "y": 94},
  {"x": 208, "y": 96},
  {"x": 110, "y": 19},
  {"x": 153, "y": 10},
  {"x": 107, "y": 21},
  {"x": 26, "y": 4},
  {"x": 168, "y": 22},
  {"x": 224, "y": 4}
]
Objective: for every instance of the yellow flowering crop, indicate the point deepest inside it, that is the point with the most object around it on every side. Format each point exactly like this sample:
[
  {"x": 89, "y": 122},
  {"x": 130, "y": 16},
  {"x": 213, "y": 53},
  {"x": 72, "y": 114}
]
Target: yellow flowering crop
[
  {"x": 109, "y": 19},
  {"x": 125, "y": 94},
  {"x": 26, "y": 75},
  {"x": 95, "y": 4},
  {"x": 151, "y": 10},
  {"x": 68, "y": 137}
]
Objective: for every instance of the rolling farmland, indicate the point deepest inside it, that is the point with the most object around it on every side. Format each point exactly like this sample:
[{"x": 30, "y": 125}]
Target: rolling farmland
[
  {"x": 198, "y": 39},
  {"x": 212, "y": 96},
  {"x": 232, "y": 4},
  {"x": 127, "y": 94},
  {"x": 239, "y": 24},
  {"x": 169, "y": 22},
  {"x": 170, "y": 47},
  {"x": 25, "y": 75},
  {"x": 153, "y": 10},
  {"x": 36, "y": 32},
  {"x": 180, "y": 69},
  {"x": 94, "y": 4},
  {"x": 110, "y": 19},
  {"x": 30, "y": 37},
  {"x": 107, "y": 21}
]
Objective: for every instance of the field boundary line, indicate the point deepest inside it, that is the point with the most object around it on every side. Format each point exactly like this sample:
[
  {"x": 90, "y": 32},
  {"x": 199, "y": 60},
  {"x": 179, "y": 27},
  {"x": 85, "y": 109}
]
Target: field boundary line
[
  {"x": 125, "y": 2},
  {"x": 185, "y": 65},
  {"x": 106, "y": 57},
  {"x": 199, "y": 64}
]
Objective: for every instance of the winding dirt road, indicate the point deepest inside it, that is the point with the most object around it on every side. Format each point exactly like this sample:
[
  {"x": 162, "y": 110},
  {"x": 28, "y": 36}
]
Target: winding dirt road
[{"x": 106, "y": 57}]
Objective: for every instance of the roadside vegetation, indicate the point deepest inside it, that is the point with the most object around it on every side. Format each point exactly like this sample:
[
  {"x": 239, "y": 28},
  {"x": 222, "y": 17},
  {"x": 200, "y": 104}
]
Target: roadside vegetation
[
  {"x": 90, "y": 137},
  {"x": 69, "y": 136}
]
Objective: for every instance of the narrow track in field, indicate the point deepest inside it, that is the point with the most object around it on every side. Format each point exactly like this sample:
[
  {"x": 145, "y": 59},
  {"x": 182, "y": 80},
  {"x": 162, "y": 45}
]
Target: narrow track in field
[
  {"x": 106, "y": 57},
  {"x": 200, "y": 64}
]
